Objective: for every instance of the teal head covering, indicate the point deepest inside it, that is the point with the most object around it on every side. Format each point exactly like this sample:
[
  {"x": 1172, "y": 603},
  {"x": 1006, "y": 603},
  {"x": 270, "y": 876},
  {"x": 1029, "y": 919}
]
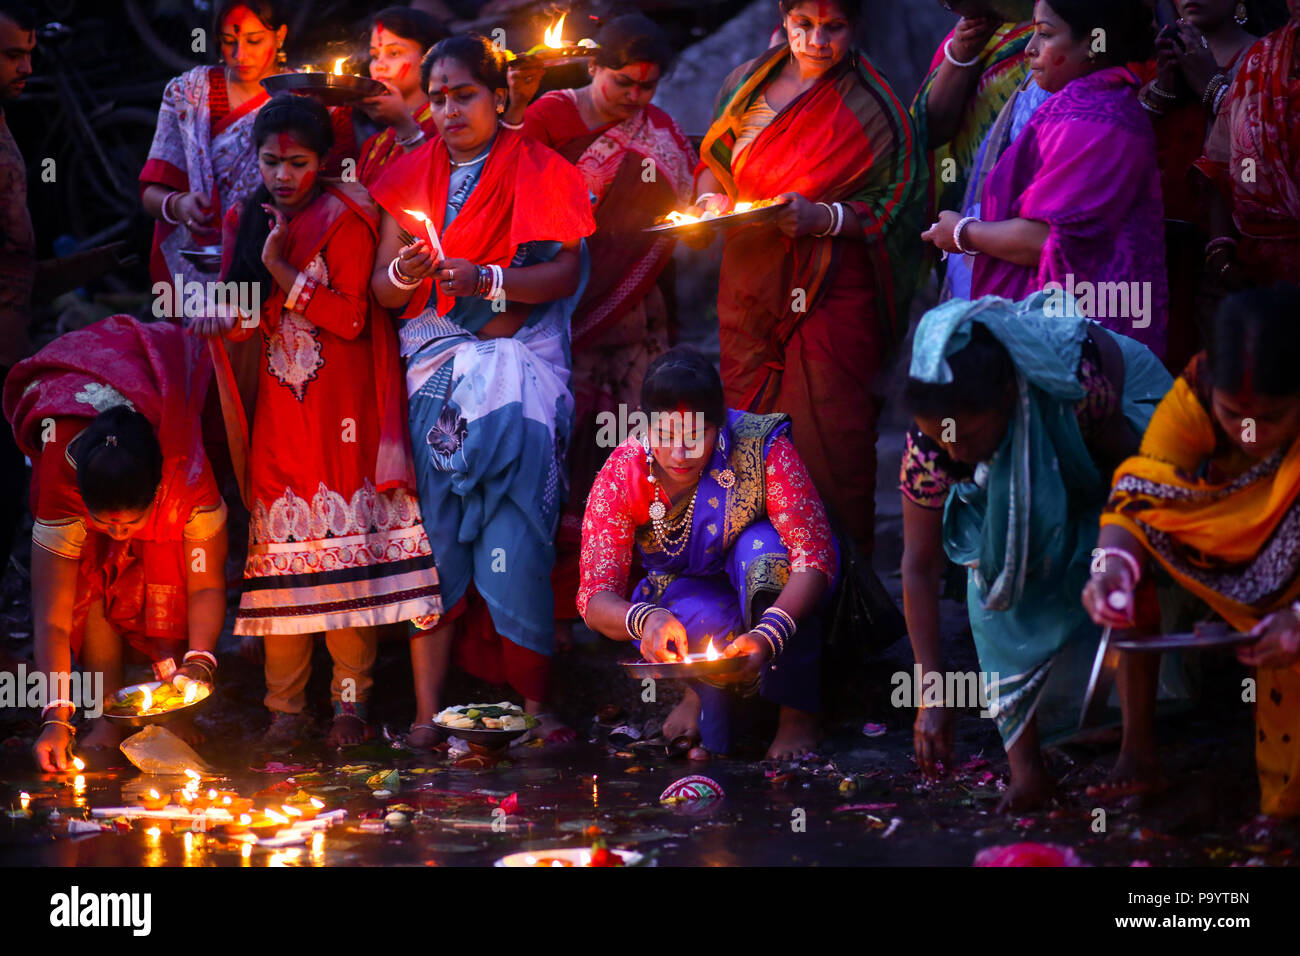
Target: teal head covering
[{"x": 1026, "y": 525}]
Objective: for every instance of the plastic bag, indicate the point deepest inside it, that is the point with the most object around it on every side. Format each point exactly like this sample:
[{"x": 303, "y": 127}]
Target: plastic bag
[{"x": 156, "y": 749}]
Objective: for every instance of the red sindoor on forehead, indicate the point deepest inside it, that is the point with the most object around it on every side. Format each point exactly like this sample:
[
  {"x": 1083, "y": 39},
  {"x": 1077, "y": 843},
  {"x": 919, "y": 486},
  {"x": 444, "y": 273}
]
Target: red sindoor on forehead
[{"x": 286, "y": 142}]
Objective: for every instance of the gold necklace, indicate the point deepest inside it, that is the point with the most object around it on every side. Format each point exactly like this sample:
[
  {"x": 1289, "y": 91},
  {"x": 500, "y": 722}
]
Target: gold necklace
[{"x": 673, "y": 537}]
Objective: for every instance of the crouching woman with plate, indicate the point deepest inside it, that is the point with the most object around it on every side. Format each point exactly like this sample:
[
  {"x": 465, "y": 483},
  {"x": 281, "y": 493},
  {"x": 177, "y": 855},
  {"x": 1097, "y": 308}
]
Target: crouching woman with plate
[{"x": 736, "y": 547}]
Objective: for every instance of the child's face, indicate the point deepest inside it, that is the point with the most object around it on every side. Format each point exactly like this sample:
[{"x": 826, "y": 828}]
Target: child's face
[
  {"x": 1259, "y": 425},
  {"x": 289, "y": 170}
]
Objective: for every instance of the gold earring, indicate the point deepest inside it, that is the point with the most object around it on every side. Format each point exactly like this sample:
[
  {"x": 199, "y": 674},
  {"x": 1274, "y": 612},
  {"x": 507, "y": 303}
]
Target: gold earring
[{"x": 280, "y": 55}]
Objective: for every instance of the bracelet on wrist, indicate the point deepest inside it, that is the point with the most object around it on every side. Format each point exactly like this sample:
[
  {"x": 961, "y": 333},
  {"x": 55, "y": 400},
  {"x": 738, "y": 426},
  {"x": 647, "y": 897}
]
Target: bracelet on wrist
[
  {"x": 957, "y": 234},
  {"x": 1217, "y": 82},
  {"x": 60, "y": 723},
  {"x": 412, "y": 140},
  {"x": 1127, "y": 560},
  {"x": 947, "y": 55},
  {"x": 397, "y": 278},
  {"x": 166, "y": 213}
]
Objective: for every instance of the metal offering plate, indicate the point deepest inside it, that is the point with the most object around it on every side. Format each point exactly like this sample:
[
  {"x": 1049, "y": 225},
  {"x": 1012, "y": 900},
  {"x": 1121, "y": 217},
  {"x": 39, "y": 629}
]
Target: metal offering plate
[
  {"x": 206, "y": 258},
  {"x": 727, "y": 219},
  {"x": 332, "y": 89},
  {"x": 695, "y": 666},
  {"x": 116, "y": 707},
  {"x": 485, "y": 737},
  {"x": 1201, "y": 638}
]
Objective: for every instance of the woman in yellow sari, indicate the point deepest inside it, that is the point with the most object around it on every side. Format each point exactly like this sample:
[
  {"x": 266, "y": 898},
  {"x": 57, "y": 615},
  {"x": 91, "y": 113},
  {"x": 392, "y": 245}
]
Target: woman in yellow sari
[{"x": 1212, "y": 497}]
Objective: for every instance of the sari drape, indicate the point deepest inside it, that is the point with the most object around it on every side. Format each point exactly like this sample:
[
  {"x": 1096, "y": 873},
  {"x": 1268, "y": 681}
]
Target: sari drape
[
  {"x": 1086, "y": 166},
  {"x": 806, "y": 324},
  {"x": 163, "y": 374},
  {"x": 1003, "y": 67},
  {"x": 1026, "y": 524},
  {"x": 1234, "y": 543},
  {"x": 190, "y": 152},
  {"x": 1252, "y": 155},
  {"x": 490, "y": 418}
]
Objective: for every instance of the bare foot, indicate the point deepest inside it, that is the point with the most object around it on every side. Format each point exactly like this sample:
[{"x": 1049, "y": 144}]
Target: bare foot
[
  {"x": 797, "y": 735},
  {"x": 1027, "y": 791},
  {"x": 1132, "y": 776},
  {"x": 103, "y": 734},
  {"x": 684, "y": 720},
  {"x": 286, "y": 730},
  {"x": 348, "y": 729},
  {"x": 422, "y": 736}
]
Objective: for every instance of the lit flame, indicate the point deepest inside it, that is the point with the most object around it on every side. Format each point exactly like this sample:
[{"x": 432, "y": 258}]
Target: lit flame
[
  {"x": 553, "y": 35},
  {"x": 246, "y": 850},
  {"x": 78, "y": 787},
  {"x": 147, "y": 703},
  {"x": 291, "y": 811},
  {"x": 154, "y": 795},
  {"x": 245, "y": 819},
  {"x": 275, "y": 817},
  {"x": 24, "y": 798},
  {"x": 681, "y": 218},
  {"x": 193, "y": 775},
  {"x": 417, "y": 215},
  {"x": 226, "y": 800},
  {"x": 212, "y": 794},
  {"x": 338, "y": 65},
  {"x": 79, "y": 764},
  {"x": 191, "y": 692},
  {"x": 742, "y": 207},
  {"x": 318, "y": 804},
  {"x": 711, "y": 652}
]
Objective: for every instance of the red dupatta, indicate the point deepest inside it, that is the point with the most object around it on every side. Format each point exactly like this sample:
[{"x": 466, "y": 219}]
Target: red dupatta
[
  {"x": 382, "y": 149},
  {"x": 309, "y": 232},
  {"x": 625, "y": 261},
  {"x": 164, "y": 375},
  {"x": 848, "y": 138},
  {"x": 526, "y": 193}
]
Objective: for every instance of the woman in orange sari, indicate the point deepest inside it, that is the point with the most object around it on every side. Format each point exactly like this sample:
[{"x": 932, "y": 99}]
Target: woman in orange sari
[
  {"x": 1213, "y": 499},
  {"x": 399, "y": 37},
  {"x": 613, "y": 134},
  {"x": 811, "y": 303},
  {"x": 336, "y": 543},
  {"x": 129, "y": 542}
]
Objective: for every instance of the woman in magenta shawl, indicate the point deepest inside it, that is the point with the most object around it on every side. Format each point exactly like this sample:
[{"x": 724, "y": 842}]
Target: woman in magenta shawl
[{"x": 1076, "y": 199}]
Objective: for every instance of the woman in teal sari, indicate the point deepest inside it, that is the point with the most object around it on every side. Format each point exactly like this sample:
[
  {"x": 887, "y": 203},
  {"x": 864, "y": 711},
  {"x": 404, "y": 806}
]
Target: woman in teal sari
[
  {"x": 1021, "y": 417},
  {"x": 486, "y": 347}
]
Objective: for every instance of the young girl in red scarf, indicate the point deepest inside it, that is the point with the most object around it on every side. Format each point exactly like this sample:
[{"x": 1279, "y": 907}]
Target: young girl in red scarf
[{"x": 319, "y": 439}]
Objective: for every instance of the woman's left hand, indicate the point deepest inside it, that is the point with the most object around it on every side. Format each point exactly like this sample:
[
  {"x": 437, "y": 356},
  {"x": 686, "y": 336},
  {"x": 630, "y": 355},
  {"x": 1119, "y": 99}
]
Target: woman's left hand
[
  {"x": 273, "y": 248},
  {"x": 457, "y": 277},
  {"x": 1195, "y": 59},
  {"x": 755, "y": 649},
  {"x": 390, "y": 109},
  {"x": 1279, "y": 643},
  {"x": 800, "y": 217},
  {"x": 941, "y": 232}
]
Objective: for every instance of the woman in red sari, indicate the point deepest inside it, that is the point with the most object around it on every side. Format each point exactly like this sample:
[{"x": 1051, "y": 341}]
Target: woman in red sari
[
  {"x": 1251, "y": 159},
  {"x": 810, "y": 307},
  {"x": 129, "y": 543},
  {"x": 399, "y": 37},
  {"x": 610, "y": 131},
  {"x": 335, "y": 543}
]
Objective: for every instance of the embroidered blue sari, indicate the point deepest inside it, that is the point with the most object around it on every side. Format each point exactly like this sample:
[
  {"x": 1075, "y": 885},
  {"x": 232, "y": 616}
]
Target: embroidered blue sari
[{"x": 732, "y": 567}]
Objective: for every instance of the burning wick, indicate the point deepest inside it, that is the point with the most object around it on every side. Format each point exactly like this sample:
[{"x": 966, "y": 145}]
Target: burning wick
[
  {"x": 553, "y": 35},
  {"x": 191, "y": 692},
  {"x": 24, "y": 798},
  {"x": 194, "y": 776},
  {"x": 711, "y": 653},
  {"x": 681, "y": 218},
  {"x": 435, "y": 246},
  {"x": 338, "y": 65},
  {"x": 79, "y": 764}
]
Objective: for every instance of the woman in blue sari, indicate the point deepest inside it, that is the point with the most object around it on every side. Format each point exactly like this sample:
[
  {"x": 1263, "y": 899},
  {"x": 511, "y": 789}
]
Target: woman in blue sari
[
  {"x": 486, "y": 346},
  {"x": 736, "y": 547},
  {"x": 1021, "y": 417}
]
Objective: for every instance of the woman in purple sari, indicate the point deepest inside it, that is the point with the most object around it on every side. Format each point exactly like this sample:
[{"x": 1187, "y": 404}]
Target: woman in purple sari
[
  {"x": 1074, "y": 205},
  {"x": 736, "y": 548}
]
